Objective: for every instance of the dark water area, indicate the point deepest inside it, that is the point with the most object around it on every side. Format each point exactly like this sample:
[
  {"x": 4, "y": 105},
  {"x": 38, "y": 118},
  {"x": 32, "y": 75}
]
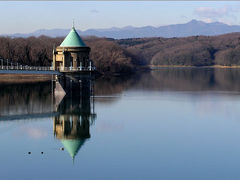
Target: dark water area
[{"x": 171, "y": 123}]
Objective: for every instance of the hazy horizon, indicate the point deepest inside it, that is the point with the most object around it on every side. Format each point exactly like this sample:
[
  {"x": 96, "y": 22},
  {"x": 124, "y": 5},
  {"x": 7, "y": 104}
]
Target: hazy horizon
[
  {"x": 27, "y": 17},
  {"x": 110, "y": 27}
]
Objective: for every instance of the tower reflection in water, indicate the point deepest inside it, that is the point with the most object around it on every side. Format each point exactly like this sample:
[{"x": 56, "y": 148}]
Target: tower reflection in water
[{"x": 76, "y": 113}]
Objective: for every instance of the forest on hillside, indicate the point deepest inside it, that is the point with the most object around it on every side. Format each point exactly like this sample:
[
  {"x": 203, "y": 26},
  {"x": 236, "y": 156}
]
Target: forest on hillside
[
  {"x": 189, "y": 51},
  {"x": 126, "y": 55},
  {"x": 107, "y": 55}
]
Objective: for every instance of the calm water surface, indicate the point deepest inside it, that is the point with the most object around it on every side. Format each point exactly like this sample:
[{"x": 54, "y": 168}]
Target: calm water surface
[{"x": 165, "y": 124}]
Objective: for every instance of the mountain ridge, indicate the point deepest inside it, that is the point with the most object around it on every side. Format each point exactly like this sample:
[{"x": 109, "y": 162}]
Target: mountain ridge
[{"x": 191, "y": 28}]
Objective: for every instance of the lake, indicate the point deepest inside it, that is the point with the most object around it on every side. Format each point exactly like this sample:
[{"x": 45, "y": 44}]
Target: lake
[{"x": 170, "y": 123}]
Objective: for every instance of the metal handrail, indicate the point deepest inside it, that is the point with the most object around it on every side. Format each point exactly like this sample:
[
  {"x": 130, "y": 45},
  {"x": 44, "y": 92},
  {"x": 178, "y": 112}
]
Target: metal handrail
[
  {"x": 29, "y": 68},
  {"x": 47, "y": 68},
  {"x": 89, "y": 68}
]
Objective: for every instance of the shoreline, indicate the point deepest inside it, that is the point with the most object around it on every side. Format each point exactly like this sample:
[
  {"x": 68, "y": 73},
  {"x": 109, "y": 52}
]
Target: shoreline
[
  {"x": 14, "y": 78},
  {"x": 24, "y": 78},
  {"x": 152, "y": 67}
]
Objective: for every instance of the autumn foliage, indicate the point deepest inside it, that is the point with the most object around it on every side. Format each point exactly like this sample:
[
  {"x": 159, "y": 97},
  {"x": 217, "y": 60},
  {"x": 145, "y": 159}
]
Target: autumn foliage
[
  {"x": 107, "y": 55},
  {"x": 126, "y": 55},
  {"x": 188, "y": 51}
]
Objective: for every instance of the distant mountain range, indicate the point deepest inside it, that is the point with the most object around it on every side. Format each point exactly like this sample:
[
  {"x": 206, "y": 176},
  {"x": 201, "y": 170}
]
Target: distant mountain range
[{"x": 191, "y": 28}]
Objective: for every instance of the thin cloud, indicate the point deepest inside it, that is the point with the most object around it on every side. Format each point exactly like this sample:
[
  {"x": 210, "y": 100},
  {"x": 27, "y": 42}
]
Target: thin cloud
[
  {"x": 33, "y": 132},
  {"x": 184, "y": 17},
  {"x": 94, "y": 11},
  {"x": 209, "y": 14},
  {"x": 36, "y": 133}
]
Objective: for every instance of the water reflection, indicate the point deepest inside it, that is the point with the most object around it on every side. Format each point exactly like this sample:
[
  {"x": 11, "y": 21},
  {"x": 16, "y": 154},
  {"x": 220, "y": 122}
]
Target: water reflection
[
  {"x": 196, "y": 79},
  {"x": 76, "y": 114},
  {"x": 26, "y": 101},
  {"x": 37, "y": 99},
  {"x": 72, "y": 113},
  {"x": 195, "y": 130},
  {"x": 19, "y": 101},
  {"x": 173, "y": 79}
]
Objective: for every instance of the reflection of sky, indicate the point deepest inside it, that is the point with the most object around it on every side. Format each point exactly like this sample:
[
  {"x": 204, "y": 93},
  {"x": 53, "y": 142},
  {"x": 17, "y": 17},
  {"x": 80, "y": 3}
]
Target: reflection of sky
[
  {"x": 143, "y": 135},
  {"x": 172, "y": 135}
]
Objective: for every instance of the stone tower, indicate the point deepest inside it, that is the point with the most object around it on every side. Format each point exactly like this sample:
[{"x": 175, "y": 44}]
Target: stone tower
[{"x": 72, "y": 55}]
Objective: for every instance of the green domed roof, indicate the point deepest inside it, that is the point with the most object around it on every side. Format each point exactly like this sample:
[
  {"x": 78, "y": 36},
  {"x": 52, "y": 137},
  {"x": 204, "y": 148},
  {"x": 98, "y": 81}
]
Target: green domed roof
[
  {"x": 72, "y": 146},
  {"x": 73, "y": 40}
]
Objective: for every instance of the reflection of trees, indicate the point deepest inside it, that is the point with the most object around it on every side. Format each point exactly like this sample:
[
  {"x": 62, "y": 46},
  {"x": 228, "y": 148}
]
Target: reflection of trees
[
  {"x": 174, "y": 79},
  {"x": 32, "y": 98},
  {"x": 28, "y": 98},
  {"x": 196, "y": 79},
  {"x": 227, "y": 79},
  {"x": 108, "y": 89},
  {"x": 112, "y": 85},
  {"x": 184, "y": 79}
]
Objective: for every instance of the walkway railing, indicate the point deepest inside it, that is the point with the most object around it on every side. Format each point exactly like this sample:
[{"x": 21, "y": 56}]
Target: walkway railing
[
  {"x": 8, "y": 65},
  {"x": 29, "y": 68},
  {"x": 45, "y": 68}
]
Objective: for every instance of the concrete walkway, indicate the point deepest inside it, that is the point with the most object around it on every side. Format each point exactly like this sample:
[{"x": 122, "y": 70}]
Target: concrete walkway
[{"x": 29, "y": 72}]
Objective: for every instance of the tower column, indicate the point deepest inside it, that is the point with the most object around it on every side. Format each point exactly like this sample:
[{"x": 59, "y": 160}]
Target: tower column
[
  {"x": 63, "y": 62},
  {"x": 74, "y": 60},
  {"x": 54, "y": 61}
]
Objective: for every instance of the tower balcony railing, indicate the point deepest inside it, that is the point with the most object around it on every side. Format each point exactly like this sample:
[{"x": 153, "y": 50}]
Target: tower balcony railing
[{"x": 71, "y": 69}]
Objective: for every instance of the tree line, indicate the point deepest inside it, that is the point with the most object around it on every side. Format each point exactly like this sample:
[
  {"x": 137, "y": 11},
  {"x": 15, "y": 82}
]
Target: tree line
[
  {"x": 189, "y": 51},
  {"x": 126, "y": 55},
  {"x": 106, "y": 54}
]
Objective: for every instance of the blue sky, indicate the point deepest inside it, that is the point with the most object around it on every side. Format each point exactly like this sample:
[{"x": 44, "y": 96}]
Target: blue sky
[{"x": 28, "y": 16}]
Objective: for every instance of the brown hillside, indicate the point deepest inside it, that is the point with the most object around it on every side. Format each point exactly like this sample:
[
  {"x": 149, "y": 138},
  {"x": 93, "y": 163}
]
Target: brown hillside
[
  {"x": 126, "y": 55},
  {"x": 194, "y": 51}
]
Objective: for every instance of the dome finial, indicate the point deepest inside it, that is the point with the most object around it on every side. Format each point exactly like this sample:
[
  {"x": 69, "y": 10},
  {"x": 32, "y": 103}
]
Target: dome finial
[
  {"x": 73, "y": 24},
  {"x": 73, "y": 158}
]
